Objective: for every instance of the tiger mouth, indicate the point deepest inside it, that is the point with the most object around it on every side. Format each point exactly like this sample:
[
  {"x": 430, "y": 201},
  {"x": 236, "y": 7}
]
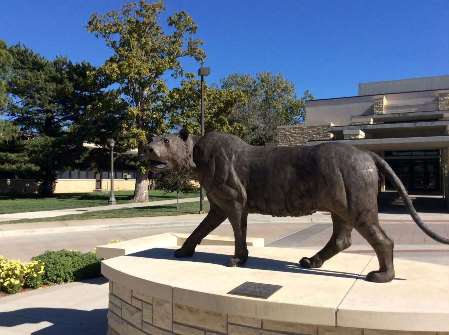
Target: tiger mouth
[{"x": 159, "y": 165}]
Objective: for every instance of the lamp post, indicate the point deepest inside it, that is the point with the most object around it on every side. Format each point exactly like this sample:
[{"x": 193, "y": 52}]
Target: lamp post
[
  {"x": 202, "y": 72},
  {"x": 112, "y": 200}
]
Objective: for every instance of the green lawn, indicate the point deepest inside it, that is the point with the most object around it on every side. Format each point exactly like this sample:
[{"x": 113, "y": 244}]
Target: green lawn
[
  {"x": 74, "y": 200},
  {"x": 184, "y": 208}
]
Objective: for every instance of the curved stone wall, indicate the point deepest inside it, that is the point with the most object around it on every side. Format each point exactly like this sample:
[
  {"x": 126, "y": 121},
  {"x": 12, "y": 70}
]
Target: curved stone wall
[{"x": 153, "y": 293}]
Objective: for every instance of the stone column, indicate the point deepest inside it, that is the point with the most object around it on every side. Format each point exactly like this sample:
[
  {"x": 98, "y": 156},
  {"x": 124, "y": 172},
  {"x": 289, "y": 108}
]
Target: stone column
[
  {"x": 379, "y": 105},
  {"x": 443, "y": 102},
  {"x": 445, "y": 174},
  {"x": 382, "y": 184}
]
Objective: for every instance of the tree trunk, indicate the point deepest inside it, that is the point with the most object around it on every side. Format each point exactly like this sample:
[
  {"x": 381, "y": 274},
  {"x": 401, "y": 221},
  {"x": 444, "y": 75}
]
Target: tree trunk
[
  {"x": 47, "y": 187},
  {"x": 141, "y": 187},
  {"x": 142, "y": 182},
  {"x": 177, "y": 200}
]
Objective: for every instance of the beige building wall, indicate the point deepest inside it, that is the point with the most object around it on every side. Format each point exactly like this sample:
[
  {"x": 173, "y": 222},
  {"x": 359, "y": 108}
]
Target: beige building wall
[
  {"x": 336, "y": 111},
  {"x": 88, "y": 185},
  {"x": 404, "y": 85},
  {"x": 119, "y": 184},
  {"x": 75, "y": 185}
]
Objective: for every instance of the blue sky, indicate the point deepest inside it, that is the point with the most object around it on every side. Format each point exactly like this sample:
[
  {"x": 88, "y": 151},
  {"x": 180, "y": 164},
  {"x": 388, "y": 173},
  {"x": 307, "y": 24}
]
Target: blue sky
[{"x": 322, "y": 45}]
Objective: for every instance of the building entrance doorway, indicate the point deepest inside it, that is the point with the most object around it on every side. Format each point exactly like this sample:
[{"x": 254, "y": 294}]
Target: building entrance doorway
[
  {"x": 97, "y": 181},
  {"x": 419, "y": 171}
]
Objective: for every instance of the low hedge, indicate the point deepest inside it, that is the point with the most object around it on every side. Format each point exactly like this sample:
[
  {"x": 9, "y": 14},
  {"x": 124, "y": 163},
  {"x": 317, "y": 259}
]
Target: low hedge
[
  {"x": 52, "y": 267},
  {"x": 66, "y": 266},
  {"x": 14, "y": 275}
]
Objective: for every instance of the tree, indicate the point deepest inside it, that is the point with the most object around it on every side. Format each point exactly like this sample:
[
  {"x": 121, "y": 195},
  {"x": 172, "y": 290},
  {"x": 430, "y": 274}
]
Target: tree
[
  {"x": 53, "y": 103},
  {"x": 14, "y": 159},
  {"x": 220, "y": 111},
  {"x": 175, "y": 181},
  {"x": 270, "y": 101},
  {"x": 36, "y": 87},
  {"x": 5, "y": 64},
  {"x": 142, "y": 54}
]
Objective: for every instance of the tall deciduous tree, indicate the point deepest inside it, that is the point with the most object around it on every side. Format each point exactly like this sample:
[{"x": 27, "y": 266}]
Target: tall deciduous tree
[
  {"x": 143, "y": 52},
  {"x": 270, "y": 101}
]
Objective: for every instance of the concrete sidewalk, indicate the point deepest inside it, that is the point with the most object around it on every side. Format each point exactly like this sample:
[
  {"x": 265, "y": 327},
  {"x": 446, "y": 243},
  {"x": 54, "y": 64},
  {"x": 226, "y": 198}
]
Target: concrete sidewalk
[
  {"x": 69, "y": 309},
  {"x": 71, "y": 211},
  {"x": 81, "y": 308},
  {"x": 52, "y": 227},
  {"x": 31, "y": 228}
]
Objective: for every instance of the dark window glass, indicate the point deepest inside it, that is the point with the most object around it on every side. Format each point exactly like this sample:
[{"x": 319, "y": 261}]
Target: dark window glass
[
  {"x": 65, "y": 175},
  {"x": 119, "y": 174},
  {"x": 104, "y": 174},
  {"x": 83, "y": 174},
  {"x": 75, "y": 174},
  {"x": 90, "y": 174}
]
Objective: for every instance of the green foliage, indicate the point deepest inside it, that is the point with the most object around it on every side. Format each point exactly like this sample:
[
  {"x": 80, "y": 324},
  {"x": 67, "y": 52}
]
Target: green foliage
[
  {"x": 58, "y": 105},
  {"x": 5, "y": 68},
  {"x": 14, "y": 275},
  {"x": 67, "y": 266},
  {"x": 270, "y": 101},
  {"x": 220, "y": 107},
  {"x": 176, "y": 181},
  {"x": 35, "y": 85},
  {"x": 34, "y": 274},
  {"x": 14, "y": 160},
  {"x": 142, "y": 54}
]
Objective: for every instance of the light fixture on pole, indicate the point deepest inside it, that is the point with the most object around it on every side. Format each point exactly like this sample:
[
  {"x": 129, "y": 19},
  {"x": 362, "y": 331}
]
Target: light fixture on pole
[
  {"x": 202, "y": 72},
  {"x": 112, "y": 200}
]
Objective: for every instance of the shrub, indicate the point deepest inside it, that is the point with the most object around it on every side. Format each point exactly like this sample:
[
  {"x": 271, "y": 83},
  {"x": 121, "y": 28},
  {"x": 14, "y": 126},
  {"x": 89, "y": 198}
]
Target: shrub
[
  {"x": 35, "y": 273},
  {"x": 66, "y": 266},
  {"x": 14, "y": 275}
]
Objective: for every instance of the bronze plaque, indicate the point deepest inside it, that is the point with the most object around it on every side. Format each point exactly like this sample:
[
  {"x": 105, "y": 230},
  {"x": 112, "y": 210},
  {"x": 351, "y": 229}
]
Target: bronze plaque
[{"x": 255, "y": 290}]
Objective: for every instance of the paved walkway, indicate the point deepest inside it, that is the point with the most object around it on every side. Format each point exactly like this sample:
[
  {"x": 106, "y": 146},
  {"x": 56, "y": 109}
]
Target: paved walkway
[
  {"x": 70, "y": 211},
  {"x": 80, "y": 308},
  {"x": 69, "y": 309},
  {"x": 25, "y": 240}
]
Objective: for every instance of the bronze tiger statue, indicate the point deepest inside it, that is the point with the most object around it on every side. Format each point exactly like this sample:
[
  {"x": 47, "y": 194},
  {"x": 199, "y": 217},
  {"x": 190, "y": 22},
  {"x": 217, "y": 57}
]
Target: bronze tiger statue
[{"x": 285, "y": 181}]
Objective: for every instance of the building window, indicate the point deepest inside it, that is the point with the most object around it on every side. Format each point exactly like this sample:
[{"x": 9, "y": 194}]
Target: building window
[{"x": 418, "y": 170}]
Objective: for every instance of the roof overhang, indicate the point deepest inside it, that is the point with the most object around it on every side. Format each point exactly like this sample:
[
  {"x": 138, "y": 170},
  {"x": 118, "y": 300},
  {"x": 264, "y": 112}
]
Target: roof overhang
[
  {"x": 392, "y": 126},
  {"x": 406, "y": 143}
]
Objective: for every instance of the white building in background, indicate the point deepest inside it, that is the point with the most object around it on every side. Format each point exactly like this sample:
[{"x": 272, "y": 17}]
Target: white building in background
[{"x": 405, "y": 121}]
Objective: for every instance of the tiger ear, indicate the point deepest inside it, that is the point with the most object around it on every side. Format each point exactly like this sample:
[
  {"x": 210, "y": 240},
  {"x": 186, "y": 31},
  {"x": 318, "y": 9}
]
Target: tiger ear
[{"x": 184, "y": 134}]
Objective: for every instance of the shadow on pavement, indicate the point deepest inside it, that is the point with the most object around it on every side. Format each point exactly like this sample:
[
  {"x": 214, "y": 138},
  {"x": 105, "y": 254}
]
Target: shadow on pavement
[
  {"x": 63, "y": 321},
  {"x": 96, "y": 281},
  {"x": 252, "y": 263}
]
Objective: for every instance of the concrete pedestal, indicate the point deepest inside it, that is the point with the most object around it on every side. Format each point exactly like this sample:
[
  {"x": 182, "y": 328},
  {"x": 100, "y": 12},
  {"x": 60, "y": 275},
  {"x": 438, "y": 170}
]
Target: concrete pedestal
[{"x": 151, "y": 292}]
